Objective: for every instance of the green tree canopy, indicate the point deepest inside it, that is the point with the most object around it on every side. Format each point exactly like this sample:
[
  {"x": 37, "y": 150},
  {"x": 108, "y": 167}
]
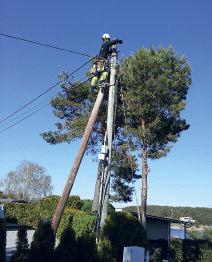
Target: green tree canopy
[{"x": 155, "y": 83}]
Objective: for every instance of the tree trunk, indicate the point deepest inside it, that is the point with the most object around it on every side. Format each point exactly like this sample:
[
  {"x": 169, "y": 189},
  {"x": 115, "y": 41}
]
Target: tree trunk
[
  {"x": 95, "y": 204},
  {"x": 144, "y": 177}
]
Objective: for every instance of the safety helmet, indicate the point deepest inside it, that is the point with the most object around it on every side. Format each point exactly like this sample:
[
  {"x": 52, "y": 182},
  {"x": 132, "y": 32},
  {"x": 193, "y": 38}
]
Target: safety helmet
[{"x": 105, "y": 36}]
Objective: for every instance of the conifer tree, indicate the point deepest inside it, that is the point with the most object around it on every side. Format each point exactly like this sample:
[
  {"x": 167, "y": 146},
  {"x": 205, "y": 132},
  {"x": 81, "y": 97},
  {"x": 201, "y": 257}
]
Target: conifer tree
[
  {"x": 155, "y": 83},
  {"x": 67, "y": 249},
  {"x": 72, "y": 106},
  {"x": 42, "y": 246},
  {"x": 22, "y": 246}
]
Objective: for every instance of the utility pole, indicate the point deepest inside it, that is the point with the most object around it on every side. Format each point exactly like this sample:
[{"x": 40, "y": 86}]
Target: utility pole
[
  {"x": 73, "y": 173},
  {"x": 109, "y": 132}
]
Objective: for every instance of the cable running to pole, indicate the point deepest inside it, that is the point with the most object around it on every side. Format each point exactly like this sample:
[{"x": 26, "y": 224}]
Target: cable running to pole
[
  {"x": 23, "y": 118},
  {"x": 34, "y": 112},
  {"x": 43, "y": 44},
  {"x": 46, "y": 91}
]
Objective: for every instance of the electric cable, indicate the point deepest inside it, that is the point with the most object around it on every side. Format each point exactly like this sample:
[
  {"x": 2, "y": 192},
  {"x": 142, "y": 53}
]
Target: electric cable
[
  {"x": 24, "y": 118},
  {"x": 43, "y": 93},
  {"x": 31, "y": 114},
  {"x": 43, "y": 44}
]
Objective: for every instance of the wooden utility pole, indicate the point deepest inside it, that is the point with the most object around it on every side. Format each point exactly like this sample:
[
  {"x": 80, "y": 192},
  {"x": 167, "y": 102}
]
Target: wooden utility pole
[{"x": 73, "y": 173}]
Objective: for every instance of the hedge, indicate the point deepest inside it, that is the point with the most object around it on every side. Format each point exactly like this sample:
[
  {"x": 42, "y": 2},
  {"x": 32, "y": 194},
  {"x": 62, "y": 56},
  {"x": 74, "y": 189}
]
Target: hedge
[
  {"x": 121, "y": 229},
  {"x": 31, "y": 214},
  {"x": 187, "y": 250}
]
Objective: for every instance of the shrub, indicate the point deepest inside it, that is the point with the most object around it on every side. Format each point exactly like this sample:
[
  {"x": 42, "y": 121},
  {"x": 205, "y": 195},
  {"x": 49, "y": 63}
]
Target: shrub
[
  {"x": 2, "y": 241},
  {"x": 27, "y": 214},
  {"x": 67, "y": 219},
  {"x": 42, "y": 247},
  {"x": 22, "y": 246},
  {"x": 158, "y": 249},
  {"x": 206, "y": 255},
  {"x": 87, "y": 205},
  {"x": 157, "y": 255},
  {"x": 67, "y": 249},
  {"x": 122, "y": 229},
  {"x": 83, "y": 224},
  {"x": 176, "y": 253},
  {"x": 86, "y": 248},
  {"x": 31, "y": 214},
  {"x": 105, "y": 251}
]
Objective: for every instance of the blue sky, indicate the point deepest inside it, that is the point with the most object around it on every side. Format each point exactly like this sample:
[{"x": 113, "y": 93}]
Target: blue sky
[{"x": 184, "y": 176}]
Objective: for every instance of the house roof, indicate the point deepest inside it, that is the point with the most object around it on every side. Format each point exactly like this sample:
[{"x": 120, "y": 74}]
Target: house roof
[{"x": 165, "y": 219}]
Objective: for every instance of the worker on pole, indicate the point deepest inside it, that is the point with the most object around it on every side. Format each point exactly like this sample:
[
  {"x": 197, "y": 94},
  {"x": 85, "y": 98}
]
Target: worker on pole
[{"x": 100, "y": 68}]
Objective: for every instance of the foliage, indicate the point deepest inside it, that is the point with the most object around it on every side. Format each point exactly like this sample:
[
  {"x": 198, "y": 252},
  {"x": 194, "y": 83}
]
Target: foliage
[
  {"x": 206, "y": 255},
  {"x": 83, "y": 224},
  {"x": 87, "y": 205},
  {"x": 31, "y": 214},
  {"x": 105, "y": 251},
  {"x": 72, "y": 106},
  {"x": 28, "y": 181},
  {"x": 190, "y": 250},
  {"x": 22, "y": 246},
  {"x": 158, "y": 249},
  {"x": 122, "y": 229},
  {"x": 202, "y": 215},
  {"x": 155, "y": 84},
  {"x": 27, "y": 214},
  {"x": 2, "y": 241},
  {"x": 176, "y": 252},
  {"x": 86, "y": 248},
  {"x": 67, "y": 249},
  {"x": 42, "y": 246},
  {"x": 67, "y": 219},
  {"x": 124, "y": 168},
  {"x": 157, "y": 256}
]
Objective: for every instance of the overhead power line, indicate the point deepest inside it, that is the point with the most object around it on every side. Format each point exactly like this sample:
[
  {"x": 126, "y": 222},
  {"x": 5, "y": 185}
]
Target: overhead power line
[
  {"x": 43, "y": 93},
  {"x": 44, "y": 45},
  {"x": 24, "y": 118},
  {"x": 31, "y": 114}
]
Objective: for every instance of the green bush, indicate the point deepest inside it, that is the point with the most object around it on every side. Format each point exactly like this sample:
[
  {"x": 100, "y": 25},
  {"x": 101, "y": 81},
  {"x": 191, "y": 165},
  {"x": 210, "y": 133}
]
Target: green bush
[
  {"x": 2, "y": 241},
  {"x": 83, "y": 224},
  {"x": 22, "y": 246},
  {"x": 42, "y": 246},
  {"x": 206, "y": 255},
  {"x": 122, "y": 229},
  {"x": 158, "y": 249},
  {"x": 87, "y": 205},
  {"x": 176, "y": 252},
  {"x": 188, "y": 250},
  {"x": 67, "y": 249},
  {"x": 67, "y": 219},
  {"x": 31, "y": 214},
  {"x": 86, "y": 248},
  {"x": 27, "y": 214}
]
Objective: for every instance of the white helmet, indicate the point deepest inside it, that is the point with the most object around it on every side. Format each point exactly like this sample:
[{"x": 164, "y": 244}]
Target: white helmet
[{"x": 106, "y": 36}]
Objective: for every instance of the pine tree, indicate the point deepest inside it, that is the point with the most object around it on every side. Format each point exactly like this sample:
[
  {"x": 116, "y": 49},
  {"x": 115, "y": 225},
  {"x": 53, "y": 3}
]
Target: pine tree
[
  {"x": 155, "y": 84},
  {"x": 72, "y": 106}
]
